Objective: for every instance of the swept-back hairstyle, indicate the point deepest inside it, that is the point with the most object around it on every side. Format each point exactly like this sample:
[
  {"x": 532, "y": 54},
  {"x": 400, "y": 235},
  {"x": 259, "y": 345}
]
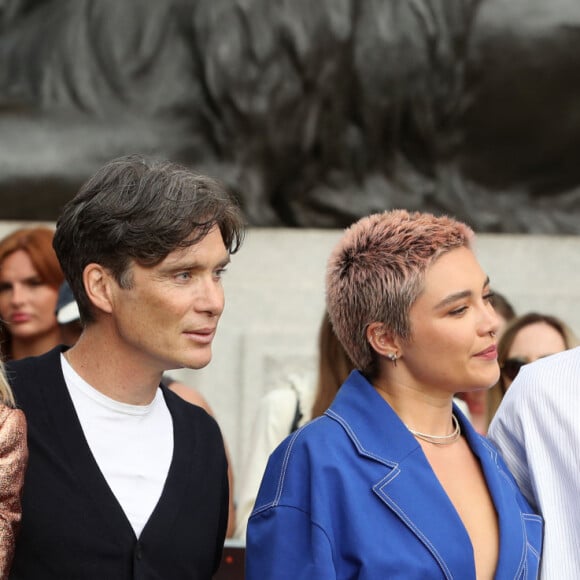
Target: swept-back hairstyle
[
  {"x": 376, "y": 272},
  {"x": 136, "y": 209},
  {"x": 37, "y": 243},
  {"x": 334, "y": 366}
]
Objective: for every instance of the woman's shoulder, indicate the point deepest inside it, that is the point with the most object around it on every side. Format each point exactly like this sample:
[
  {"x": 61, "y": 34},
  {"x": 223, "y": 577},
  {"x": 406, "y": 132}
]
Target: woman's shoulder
[
  {"x": 311, "y": 442},
  {"x": 11, "y": 416},
  {"x": 12, "y": 425}
]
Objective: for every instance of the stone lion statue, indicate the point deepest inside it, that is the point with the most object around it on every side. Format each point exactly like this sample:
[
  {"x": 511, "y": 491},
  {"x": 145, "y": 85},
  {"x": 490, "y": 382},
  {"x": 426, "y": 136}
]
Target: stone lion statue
[{"x": 315, "y": 113}]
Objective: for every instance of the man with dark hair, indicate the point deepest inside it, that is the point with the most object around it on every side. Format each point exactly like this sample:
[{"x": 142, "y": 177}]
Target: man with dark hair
[{"x": 125, "y": 479}]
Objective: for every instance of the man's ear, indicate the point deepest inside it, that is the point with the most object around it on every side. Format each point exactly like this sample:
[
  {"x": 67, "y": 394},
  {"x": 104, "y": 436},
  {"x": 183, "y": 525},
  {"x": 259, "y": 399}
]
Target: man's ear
[
  {"x": 97, "y": 281},
  {"x": 382, "y": 340}
]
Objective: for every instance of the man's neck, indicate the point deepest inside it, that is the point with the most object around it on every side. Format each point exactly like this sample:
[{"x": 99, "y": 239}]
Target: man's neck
[{"x": 118, "y": 375}]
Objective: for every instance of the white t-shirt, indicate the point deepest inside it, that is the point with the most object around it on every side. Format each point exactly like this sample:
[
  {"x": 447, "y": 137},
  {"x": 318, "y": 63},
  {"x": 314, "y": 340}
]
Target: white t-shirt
[{"x": 132, "y": 445}]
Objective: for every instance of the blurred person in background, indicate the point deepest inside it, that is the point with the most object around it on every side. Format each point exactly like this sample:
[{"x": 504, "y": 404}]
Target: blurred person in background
[
  {"x": 504, "y": 310},
  {"x": 13, "y": 459},
  {"x": 526, "y": 339},
  {"x": 30, "y": 276},
  {"x": 285, "y": 409}
]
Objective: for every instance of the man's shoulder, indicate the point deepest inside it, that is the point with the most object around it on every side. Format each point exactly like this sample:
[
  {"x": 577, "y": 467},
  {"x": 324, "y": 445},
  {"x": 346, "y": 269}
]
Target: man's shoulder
[
  {"x": 35, "y": 381},
  {"x": 566, "y": 360},
  {"x": 191, "y": 414},
  {"x": 555, "y": 372}
]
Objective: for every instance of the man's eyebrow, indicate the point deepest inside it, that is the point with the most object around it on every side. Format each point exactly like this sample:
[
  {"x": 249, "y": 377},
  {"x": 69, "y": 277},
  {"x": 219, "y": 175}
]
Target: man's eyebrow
[
  {"x": 225, "y": 261},
  {"x": 458, "y": 296},
  {"x": 194, "y": 265}
]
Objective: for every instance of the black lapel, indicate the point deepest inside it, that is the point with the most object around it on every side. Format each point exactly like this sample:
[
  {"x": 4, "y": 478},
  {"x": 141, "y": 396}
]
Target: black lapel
[
  {"x": 76, "y": 454},
  {"x": 177, "y": 485}
]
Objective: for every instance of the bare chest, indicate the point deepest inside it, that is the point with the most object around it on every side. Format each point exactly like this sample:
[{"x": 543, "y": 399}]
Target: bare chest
[{"x": 460, "y": 475}]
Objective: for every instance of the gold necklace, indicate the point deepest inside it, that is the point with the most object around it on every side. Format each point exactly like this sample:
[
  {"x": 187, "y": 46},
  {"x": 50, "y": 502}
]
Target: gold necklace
[{"x": 440, "y": 439}]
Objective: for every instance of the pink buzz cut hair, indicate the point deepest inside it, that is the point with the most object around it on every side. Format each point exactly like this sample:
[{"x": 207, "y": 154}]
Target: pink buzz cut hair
[{"x": 377, "y": 270}]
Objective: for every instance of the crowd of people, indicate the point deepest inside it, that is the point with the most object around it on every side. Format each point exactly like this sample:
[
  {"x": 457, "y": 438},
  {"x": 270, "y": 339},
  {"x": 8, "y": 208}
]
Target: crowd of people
[{"x": 437, "y": 439}]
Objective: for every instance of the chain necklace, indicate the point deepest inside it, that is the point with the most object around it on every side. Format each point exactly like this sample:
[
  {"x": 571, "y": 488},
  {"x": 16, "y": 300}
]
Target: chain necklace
[{"x": 440, "y": 439}]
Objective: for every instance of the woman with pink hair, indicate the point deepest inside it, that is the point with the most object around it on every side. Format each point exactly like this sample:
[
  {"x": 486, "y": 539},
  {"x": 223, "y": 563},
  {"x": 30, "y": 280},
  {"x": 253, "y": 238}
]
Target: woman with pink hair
[{"x": 393, "y": 481}]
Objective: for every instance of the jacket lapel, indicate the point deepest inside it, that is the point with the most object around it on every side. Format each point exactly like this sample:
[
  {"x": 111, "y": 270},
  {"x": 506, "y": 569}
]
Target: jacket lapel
[
  {"x": 176, "y": 485},
  {"x": 408, "y": 488},
  {"x": 82, "y": 463},
  {"x": 503, "y": 490}
]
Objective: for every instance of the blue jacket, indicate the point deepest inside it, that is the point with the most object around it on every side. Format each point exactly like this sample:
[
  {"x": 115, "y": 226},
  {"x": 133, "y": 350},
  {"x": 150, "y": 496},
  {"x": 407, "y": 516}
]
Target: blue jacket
[{"x": 352, "y": 495}]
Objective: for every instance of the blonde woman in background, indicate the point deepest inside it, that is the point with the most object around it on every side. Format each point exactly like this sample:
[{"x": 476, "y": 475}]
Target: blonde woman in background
[{"x": 13, "y": 459}]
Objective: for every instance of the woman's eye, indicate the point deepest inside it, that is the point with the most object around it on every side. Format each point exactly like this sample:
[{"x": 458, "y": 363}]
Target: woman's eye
[
  {"x": 458, "y": 311},
  {"x": 489, "y": 297}
]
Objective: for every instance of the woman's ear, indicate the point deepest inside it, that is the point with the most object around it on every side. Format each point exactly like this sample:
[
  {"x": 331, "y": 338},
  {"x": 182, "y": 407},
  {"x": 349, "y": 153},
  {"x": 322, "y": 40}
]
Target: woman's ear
[
  {"x": 382, "y": 340},
  {"x": 97, "y": 281}
]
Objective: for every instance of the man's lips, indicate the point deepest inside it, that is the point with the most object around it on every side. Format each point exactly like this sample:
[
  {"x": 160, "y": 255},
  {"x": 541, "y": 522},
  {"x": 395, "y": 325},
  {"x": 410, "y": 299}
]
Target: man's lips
[
  {"x": 490, "y": 353},
  {"x": 204, "y": 335}
]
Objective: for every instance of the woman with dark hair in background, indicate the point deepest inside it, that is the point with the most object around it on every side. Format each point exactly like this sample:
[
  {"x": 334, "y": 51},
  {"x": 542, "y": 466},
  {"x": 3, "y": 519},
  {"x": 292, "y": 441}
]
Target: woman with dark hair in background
[{"x": 30, "y": 276}]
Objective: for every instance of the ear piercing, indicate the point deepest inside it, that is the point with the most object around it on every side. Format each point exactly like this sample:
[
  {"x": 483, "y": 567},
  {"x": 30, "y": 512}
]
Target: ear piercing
[{"x": 393, "y": 358}]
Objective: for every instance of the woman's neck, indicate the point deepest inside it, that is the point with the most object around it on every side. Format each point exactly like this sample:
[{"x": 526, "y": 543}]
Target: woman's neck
[{"x": 418, "y": 409}]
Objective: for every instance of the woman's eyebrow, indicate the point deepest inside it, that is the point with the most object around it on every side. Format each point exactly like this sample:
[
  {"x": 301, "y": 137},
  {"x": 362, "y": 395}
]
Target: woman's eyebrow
[{"x": 458, "y": 296}]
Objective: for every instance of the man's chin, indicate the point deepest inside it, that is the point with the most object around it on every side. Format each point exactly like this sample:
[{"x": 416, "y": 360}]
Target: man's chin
[{"x": 196, "y": 364}]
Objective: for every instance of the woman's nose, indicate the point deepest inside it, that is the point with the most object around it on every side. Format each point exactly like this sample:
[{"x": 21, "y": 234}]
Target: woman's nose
[{"x": 17, "y": 294}]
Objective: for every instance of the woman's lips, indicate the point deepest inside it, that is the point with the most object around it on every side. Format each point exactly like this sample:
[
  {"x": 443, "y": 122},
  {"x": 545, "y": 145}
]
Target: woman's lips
[
  {"x": 490, "y": 353},
  {"x": 19, "y": 318}
]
